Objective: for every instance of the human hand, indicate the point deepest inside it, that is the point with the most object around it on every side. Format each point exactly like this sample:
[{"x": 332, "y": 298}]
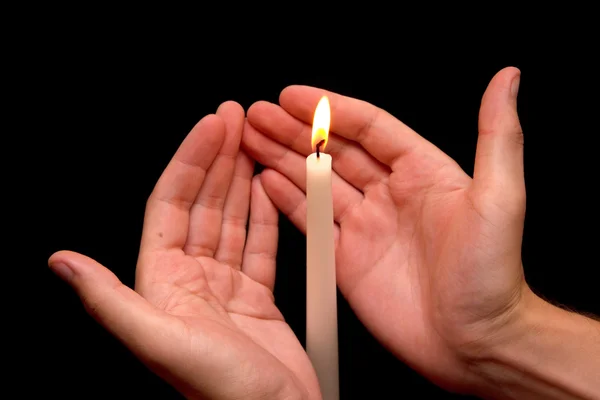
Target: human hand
[
  {"x": 203, "y": 316},
  {"x": 428, "y": 258}
]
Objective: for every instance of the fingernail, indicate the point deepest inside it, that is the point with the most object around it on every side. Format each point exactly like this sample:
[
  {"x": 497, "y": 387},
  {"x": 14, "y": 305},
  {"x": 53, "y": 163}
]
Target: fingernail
[
  {"x": 514, "y": 88},
  {"x": 62, "y": 270}
]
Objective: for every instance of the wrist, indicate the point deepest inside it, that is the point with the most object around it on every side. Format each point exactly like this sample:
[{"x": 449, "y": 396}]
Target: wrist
[{"x": 543, "y": 352}]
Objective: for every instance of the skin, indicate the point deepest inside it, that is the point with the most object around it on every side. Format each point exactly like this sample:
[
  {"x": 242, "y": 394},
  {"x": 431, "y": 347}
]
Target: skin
[
  {"x": 428, "y": 257},
  {"x": 202, "y": 312}
]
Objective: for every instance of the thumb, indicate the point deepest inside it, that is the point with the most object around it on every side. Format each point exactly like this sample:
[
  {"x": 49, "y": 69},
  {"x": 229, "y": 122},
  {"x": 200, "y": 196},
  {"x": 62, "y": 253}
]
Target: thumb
[
  {"x": 123, "y": 312},
  {"x": 498, "y": 173}
]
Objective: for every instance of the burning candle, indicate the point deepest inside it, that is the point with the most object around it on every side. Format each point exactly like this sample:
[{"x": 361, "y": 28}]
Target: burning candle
[{"x": 321, "y": 303}]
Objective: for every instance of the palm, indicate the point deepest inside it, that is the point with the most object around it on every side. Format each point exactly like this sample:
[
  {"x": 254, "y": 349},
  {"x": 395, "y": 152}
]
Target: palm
[
  {"x": 418, "y": 240},
  {"x": 415, "y": 243},
  {"x": 212, "y": 298},
  {"x": 204, "y": 317},
  {"x": 193, "y": 287}
]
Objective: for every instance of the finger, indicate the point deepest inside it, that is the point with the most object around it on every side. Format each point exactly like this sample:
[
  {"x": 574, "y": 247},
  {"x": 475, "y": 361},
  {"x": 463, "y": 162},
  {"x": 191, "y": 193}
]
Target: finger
[
  {"x": 206, "y": 214},
  {"x": 292, "y": 165},
  {"x": 498, "y": 173},
  {"x": 235, "y": 214},
  {"x": 167, "y": 214},
  {"x": 349, "y": 159},
  {"x": 381, "y": 134},
  {"x": 288, "y": 199},
  {"x": 261, "y": 249},
  {"x": 135, "y": 322}
]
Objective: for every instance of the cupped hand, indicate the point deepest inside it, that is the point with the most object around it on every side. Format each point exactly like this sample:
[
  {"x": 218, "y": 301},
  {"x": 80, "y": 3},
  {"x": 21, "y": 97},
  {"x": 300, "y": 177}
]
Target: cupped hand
[
  {"x": 428, "y": 257},
  {"x": 202, "y": 316}
]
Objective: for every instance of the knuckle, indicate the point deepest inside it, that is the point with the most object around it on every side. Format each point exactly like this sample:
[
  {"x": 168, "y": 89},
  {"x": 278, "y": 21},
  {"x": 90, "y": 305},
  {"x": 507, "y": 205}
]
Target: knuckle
[
  {"x": 518, "y": 137},
  {"x": 510, "y": 200},
  {"x": 93, "y": 306}
]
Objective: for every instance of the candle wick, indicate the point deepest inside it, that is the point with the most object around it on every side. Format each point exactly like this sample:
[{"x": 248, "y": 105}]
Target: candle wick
[{"x": 321, "y": 143}]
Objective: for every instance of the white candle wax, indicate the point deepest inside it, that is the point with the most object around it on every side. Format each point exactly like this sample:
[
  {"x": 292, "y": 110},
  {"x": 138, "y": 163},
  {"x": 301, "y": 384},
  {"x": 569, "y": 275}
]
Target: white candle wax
[{"x": 321, "y": 302}]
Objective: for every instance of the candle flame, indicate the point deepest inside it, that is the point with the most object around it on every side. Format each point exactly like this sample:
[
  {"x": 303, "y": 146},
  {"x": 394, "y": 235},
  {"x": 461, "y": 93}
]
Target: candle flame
[{"x": 320, "y": 127}]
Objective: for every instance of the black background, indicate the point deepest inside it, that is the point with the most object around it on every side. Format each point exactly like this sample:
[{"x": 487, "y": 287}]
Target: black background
[{"x": 105, "y": 113}]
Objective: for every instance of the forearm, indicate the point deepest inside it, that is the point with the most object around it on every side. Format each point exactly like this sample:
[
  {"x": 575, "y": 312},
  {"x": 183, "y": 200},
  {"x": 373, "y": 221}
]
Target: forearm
[{"x": 552, "y": 354}]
